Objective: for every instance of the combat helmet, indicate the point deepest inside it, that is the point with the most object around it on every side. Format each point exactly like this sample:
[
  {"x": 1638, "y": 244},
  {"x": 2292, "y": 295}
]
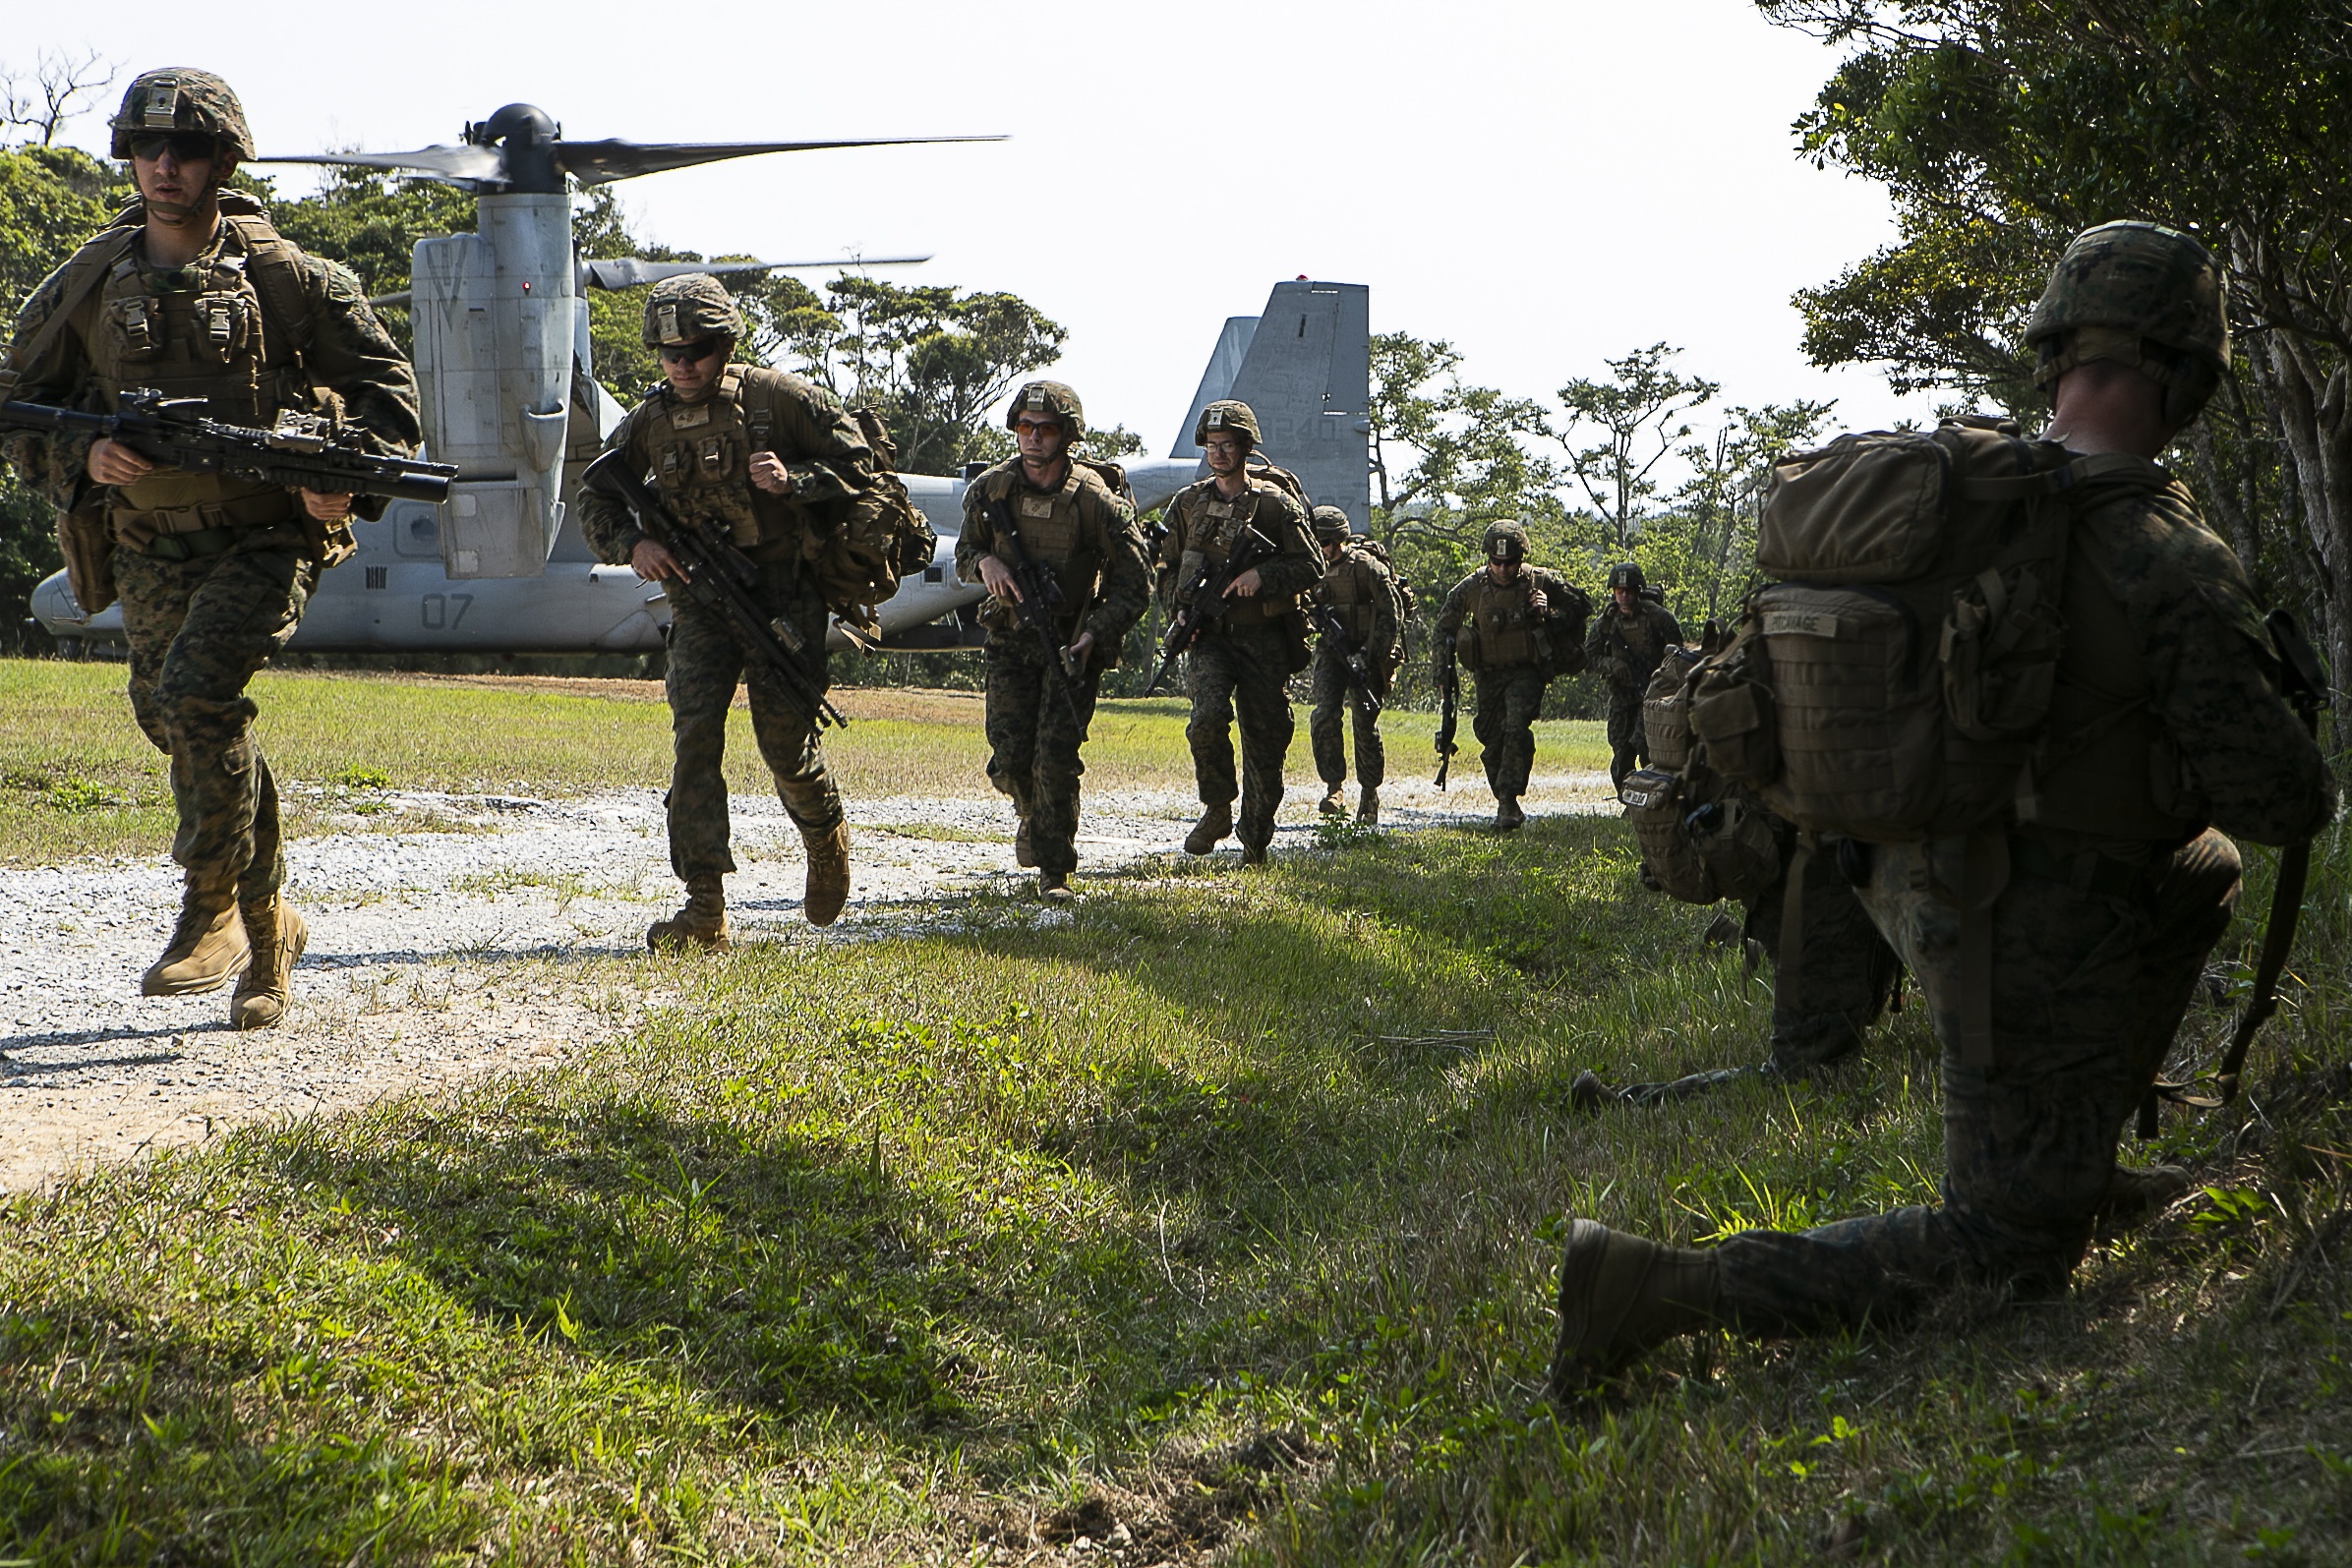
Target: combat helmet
[
  {"x": 2145, "y": 296},
  {"x": 688, "y": 309},
  {"x": 1506, "y": 542},
  {"x": 1625, "y": 574},
  {"x": 1049, "y": 397},
  {"x": 1226, "y": 414},
  {"x": 1330, "y": 525},
  {"x": 184, "y": 99}
]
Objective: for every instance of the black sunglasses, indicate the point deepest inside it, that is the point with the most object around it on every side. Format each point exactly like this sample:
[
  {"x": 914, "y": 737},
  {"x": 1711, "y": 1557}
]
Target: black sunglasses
[
  {"x": 188, "y": 146},
  {"x": 688, "y": 353}
]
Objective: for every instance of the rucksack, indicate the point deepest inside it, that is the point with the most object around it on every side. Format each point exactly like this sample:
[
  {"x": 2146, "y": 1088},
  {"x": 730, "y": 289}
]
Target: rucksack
[
  {"x": 1282, "y": 479},
  {"x": 1890, "y": 684},
  {"x": 1703, "y": 838},
  {"x": 1401, "y": 592},
  {"x": 876, "y": 539}
]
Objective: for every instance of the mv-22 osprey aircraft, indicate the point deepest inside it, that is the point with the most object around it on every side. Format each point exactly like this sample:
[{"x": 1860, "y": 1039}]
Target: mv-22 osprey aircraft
[{"x": 503, "y": 360}]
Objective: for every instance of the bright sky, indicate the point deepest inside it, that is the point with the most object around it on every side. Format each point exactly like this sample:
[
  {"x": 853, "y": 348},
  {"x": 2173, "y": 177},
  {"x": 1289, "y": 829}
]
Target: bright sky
[{"x": 1543, "y": 185}]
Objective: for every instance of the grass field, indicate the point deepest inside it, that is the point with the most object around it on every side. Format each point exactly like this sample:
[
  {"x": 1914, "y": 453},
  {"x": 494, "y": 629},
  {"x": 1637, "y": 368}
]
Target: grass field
[
  {"x": 77, "y": 778},
  {"x": 1216, "y": 1218}
]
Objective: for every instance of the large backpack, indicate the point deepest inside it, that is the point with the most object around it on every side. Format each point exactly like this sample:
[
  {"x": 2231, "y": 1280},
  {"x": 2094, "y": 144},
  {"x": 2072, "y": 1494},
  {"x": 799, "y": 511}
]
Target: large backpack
[
  {"x": 877, "y": 538},
  {"x": 1894, "y": 684},
  {"x": 1401, "y": 592},
  {"x": 1703, "y": 838},
  {"x": 1891, "y": 685}
]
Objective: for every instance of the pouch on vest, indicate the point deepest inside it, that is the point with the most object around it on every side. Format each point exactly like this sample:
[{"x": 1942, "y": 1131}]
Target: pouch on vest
[
  {"x": 86, "y": 542},
  {"x": 1665, "y": 706},
  {"x": 1654, "y": 804}
]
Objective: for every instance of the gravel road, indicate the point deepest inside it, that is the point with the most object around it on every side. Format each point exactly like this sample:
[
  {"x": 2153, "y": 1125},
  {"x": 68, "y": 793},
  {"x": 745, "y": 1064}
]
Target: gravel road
[{"x": 458, "y": 935}]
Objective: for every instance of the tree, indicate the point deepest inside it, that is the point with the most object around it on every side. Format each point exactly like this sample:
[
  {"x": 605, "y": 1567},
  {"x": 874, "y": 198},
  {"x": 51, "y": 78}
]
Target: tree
[
  {"x": 1464, "y": 454},
  {"x": 2001, "y": 127},
  {"x": 1702, "y": 550},
  {"x": 1638, "y": 408},
  {"x": 931, "y": 358},
  {"x": 61, "y": 83}
]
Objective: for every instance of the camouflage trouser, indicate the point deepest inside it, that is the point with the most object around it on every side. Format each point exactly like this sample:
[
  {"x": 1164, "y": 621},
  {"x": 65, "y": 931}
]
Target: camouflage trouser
[
  {"x": 1628, "y": 745},
  {"x": 198, "y": 631},
  {"x": 1843, "y": 977},
  {"x": 1334, "y": 699},
  {"x": 2087, "y": 990},
  {"x": 705, "y": 664},
  {"x": 1508, "y": 700},
  {"x": 1034, "y": 742},
  {"x": 1244, "y": 670}
]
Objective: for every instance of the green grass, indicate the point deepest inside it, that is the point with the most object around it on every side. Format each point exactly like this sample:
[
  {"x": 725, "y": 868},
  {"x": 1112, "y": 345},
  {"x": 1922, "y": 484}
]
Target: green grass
[
  {"x": 78, "y": 779},
  {"x": 1225, "y": 1210}
]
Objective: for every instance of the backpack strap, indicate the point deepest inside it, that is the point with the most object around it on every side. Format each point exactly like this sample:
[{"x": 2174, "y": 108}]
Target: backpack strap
[
  {"x": 269, "y": 260},
  {"x": 84, "y": 272}
]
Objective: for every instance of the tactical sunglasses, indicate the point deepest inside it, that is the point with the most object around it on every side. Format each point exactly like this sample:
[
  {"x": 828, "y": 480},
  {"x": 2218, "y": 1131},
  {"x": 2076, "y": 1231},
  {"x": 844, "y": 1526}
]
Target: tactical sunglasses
[
  {"x": 188, "y": 146},
  {"x": 688, "y": 353}
]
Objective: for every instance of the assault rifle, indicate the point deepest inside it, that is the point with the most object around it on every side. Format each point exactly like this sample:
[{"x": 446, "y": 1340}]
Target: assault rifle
[
  {"x": 1449, "y": 696},
  {"x": 1208, "y": 598},
  {"x": 1359, "y": 669},
  {"x": 719, "y": 577},
  {"x": 301, "y": 449},
  {"x": 1039, "y": 603}
]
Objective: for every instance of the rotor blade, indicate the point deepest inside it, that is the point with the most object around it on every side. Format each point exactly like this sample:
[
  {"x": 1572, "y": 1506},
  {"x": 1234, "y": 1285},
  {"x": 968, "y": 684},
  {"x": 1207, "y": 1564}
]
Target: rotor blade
[
  {"x": 598, "y": 162},
  {"x": 627, "y": 271},
  {"x": 459, "y": 165},
  {"x": 381, "y": 301}
]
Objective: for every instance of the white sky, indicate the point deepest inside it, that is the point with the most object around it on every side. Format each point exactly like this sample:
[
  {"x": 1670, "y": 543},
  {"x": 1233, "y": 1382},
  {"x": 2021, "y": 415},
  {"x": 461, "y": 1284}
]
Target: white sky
[{"x": 1542, "y": 183}]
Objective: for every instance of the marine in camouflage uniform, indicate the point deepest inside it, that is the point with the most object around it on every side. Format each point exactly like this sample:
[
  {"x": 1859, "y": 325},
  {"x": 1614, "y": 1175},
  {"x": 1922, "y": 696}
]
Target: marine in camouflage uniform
[
  {"x": 1628, "y": 638},
  {"x": 1514, "y": 627},
  {"x": 1245, "y": 657},
  {"x": 2168, "y": 697},
  {"x": 755, "y": 459},
  {"x": 1360, "y": 590},
  {"x": 1074, "y": 521},
  {"x": 193, "y": 293}
]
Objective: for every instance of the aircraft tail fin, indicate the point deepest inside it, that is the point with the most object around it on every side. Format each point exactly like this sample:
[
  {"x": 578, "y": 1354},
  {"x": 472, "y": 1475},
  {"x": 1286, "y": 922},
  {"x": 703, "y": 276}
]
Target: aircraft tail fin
[{"x": 1304, "y": 369}]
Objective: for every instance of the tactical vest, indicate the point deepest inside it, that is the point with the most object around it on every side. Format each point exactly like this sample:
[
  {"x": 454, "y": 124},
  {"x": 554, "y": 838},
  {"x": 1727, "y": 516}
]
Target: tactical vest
[
  {"x": 229, "y": 328},
  {"x": 700, "y": 454},
  {"x": 1212, "y": 526},
  {"x": 1351, "y": 597},
  {"x": 1053, "y": 534},
  {"x": 1638, "y": 638},
  {"x": 1507, "y": 634}
]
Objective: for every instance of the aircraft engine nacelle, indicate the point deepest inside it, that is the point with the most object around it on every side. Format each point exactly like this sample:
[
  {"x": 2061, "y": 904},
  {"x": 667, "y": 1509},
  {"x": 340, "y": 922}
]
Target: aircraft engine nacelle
[{"x": 494, "y": 314}]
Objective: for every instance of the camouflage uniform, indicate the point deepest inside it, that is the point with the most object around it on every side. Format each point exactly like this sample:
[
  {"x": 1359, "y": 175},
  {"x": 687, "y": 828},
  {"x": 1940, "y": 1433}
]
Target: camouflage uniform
[
  {"x": 1512, "y": 656},
  {"x": 1625, "y": 649},
  {"x": 1244, "y": 658},
  {"x": 1084, "y": 534},
  {"x": 1360, "y": 590},
  {"x": 2098, "y": 939},
  {"x": 750, "y": 410},
  {"x": 212, "y": 573}
]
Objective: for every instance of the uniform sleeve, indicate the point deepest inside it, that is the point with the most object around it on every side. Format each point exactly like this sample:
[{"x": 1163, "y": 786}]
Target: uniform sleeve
[
  {"x": 354, "y": 358},
  {"x": 1299, "y": 564},
  {"x": 1455, "y": 608},
  {"x": 828, "y": 459},
  {"x": 54, "y": 465},
  {"x": 2244, "y": 755},
  {"x": 606, "y": 522},
  {"x": 1171, "y": 553},
  {"x": 1669, "y": 624},
  {"x": 1125, "y": 572}
]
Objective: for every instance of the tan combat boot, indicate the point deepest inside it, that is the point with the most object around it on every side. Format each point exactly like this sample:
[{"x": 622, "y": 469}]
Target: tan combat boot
[
  {"x": 828, "y": 885},
  {"x": 1334, "y": 801},
  {"x": 2136, "y": 1194},
  {"x": 278, "y": 935},
  {"x": 1216, "y": 822},
  {"x": 700, "y": 923},
  {"x": 208, "y": 947},
  {"x": 1024, "y": 853},
  {"x": 1507, "y": 815},
  {"x": 1054, "y": 887},
  {"x": 1619, "y": 1294},
  {"x": 1254, "y": 855},
  {"x": 1368, "y": 807}
]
